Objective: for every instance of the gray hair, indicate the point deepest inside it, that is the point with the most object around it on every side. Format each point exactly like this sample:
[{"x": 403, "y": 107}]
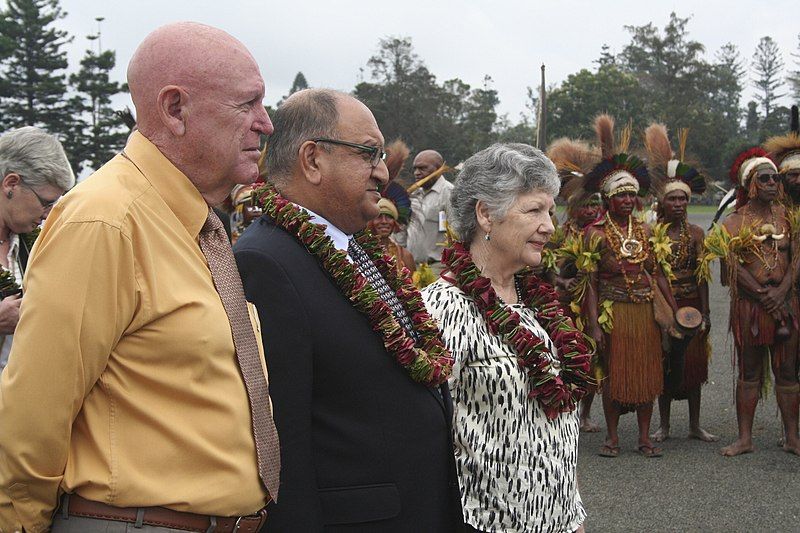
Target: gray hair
[
  {"x": 307, "y": 114},
  {"x": 497, "y": 175},
  {"x": 37, "y": 157}
]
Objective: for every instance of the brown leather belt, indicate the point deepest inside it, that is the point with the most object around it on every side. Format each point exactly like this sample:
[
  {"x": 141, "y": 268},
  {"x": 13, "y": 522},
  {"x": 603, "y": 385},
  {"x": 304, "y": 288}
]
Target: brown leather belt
[{"x": 74, "y": 505}]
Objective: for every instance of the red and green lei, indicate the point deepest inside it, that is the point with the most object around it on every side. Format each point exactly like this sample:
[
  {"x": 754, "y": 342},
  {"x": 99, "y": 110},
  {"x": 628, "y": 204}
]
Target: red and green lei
[
  {"x": 427, "y": 361},
  {"x": 557, "y": 392}
]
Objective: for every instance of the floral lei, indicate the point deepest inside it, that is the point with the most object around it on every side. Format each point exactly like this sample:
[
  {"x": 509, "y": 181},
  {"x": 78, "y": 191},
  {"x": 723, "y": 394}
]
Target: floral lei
[
  {"x": 557, "y": 393},
  {"x": 428, "y": 361}
]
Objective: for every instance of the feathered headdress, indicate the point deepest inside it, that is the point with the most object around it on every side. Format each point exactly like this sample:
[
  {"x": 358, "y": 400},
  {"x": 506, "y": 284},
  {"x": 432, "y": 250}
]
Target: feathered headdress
[
  {"x": 618, "y": 171},
  {"x": 669, "y": 171},
  {"x": 785, "y": 149},
  {"x": 747, "y": 161},
  {"x": 743, "y": 169},
  {"x": 396, "y": 154},
  {"x": 573, "y": 159}
]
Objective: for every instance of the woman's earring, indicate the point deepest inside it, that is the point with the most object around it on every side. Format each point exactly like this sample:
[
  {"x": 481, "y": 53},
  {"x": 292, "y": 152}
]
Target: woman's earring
[
  {"x": 10, "y": 194},
  {"x": 487, "y": 237}
]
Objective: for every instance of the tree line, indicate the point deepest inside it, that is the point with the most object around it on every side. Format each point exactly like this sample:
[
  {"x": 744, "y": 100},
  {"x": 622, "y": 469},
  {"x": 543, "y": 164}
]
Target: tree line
[
  {"x": 36, "y": 90},
  {"x": 661, "y": 74}
]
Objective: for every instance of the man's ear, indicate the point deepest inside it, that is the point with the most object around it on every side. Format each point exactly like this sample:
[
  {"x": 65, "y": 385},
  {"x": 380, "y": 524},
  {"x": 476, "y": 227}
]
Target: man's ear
[
  {"x": 308, "y": 160},
  {"x": 172, "y": 102}
]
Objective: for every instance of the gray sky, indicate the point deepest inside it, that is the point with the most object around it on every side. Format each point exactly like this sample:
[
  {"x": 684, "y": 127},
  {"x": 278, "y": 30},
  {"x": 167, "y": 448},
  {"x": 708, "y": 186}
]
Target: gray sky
[{"x": 330, "y": 40}]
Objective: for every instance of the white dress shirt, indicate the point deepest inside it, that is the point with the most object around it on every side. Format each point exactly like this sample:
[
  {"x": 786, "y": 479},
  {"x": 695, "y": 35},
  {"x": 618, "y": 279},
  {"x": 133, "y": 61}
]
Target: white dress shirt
[{"x": 425, "y": 232}]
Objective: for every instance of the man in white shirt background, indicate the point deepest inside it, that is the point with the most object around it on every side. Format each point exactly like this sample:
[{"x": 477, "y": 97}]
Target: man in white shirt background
[{"x": 425, "y": 234}]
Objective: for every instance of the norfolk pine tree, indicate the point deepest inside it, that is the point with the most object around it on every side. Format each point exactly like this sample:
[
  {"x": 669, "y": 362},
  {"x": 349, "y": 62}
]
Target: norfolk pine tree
[
  {"x": 95, "y": 134},
  {"x": 34, "y": 81}
]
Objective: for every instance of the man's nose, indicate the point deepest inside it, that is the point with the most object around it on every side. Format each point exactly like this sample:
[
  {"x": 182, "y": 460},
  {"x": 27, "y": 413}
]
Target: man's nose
[
  {"x": 263, "y": 123},
  {"x": 381, "y": 172}
]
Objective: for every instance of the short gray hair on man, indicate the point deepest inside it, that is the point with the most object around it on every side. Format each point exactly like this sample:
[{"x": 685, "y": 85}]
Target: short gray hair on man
[
  {"x": 307, "y": 114},
  {"x": 37, "y": 157},
  {"x": 497, "y": 175}
]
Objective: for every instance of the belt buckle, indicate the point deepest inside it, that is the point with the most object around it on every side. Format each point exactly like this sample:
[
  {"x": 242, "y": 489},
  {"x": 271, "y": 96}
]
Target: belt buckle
[{"x": 260, "y": 516}]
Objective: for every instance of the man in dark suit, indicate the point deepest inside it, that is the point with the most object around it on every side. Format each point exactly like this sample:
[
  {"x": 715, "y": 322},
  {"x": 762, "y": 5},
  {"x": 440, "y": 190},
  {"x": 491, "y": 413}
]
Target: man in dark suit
[{"x": 363, "y": 446}]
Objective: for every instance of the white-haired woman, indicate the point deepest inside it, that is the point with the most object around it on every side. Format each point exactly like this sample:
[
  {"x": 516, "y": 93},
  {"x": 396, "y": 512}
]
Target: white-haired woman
[
  {"x": 520, "y": 365},
  {"x": 35, "y": 173}
]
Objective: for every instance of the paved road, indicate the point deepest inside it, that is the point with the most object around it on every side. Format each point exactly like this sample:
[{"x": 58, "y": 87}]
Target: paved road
[{"x": 692, "y": 487}]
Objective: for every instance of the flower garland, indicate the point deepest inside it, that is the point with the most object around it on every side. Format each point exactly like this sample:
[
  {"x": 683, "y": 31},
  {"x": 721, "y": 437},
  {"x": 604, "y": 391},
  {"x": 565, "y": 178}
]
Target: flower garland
[
  {"x": 428, "y": 361},
  {"x": 557, "y": 392}
]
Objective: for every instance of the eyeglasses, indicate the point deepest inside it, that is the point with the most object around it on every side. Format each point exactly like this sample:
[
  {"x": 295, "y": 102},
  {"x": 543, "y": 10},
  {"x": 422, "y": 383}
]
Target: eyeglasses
[
  {"x": 46, "y": 204},
  {"x": 376, "y": 154},
  {"x": 765, "y": 178}
]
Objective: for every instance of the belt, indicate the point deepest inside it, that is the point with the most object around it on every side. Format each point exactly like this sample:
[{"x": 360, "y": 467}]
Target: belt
[{"x": 74, "y": 505}]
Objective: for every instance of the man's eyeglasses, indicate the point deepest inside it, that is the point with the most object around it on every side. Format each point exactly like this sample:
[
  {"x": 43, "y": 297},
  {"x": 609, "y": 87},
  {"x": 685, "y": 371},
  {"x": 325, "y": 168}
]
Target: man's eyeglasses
[
  {"x": 376, "y": 154},
  {"x": 765, "y": 178},
  {"x": 46, "y": 204}
]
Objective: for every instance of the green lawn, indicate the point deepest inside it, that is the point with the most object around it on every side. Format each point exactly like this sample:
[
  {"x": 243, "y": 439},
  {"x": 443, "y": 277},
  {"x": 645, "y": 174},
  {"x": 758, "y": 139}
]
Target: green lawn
[{"x": 702, "y": 209}]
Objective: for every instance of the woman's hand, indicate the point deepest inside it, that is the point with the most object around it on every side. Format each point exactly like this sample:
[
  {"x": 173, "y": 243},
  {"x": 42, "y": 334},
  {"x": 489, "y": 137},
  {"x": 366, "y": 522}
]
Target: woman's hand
[{"x": 9, "y": 314}]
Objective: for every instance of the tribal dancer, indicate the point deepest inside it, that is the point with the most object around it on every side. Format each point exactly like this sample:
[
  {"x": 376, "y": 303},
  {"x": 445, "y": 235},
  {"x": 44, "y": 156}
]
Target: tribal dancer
[
  {"x": 620, "y": 306},
  {"x": 394, "y": 207},
  {"x": 574, "y": 159},
  {"x": 686, "y": 364},
  {"x": 785, "y": 151},
  {"x": 382, "y": 227},
  {"x": 755, "y": 241}
]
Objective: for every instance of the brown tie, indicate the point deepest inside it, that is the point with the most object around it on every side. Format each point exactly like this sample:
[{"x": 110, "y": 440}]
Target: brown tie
[{"x": 217, "y": 249}]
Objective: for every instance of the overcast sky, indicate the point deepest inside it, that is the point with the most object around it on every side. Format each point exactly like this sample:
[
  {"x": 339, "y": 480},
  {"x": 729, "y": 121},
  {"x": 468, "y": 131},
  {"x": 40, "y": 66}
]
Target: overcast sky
[{"x": 331, "y": 40}]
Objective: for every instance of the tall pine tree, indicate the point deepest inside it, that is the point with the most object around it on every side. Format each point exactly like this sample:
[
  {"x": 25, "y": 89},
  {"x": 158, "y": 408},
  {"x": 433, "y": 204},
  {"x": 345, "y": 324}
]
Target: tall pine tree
[
  {"x": 95, "y": 134},
  {"x": 794, "y": 76},
  {"x": 34, "y": 81},
  {"x": 768, "y": 64}
]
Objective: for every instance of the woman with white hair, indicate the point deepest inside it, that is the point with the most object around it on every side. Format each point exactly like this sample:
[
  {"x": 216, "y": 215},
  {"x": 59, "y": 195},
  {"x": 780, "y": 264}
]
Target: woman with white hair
[
  {"x": 35, "y": 173},
  {"x": 520, "y": 365}
]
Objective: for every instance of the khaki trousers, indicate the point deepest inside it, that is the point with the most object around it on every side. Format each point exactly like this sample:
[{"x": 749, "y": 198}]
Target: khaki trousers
[{"x": 79, "y": 524}]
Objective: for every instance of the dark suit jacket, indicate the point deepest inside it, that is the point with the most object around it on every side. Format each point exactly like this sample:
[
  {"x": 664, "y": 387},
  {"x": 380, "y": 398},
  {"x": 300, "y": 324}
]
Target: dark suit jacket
[{"x": 363, "y": 447}]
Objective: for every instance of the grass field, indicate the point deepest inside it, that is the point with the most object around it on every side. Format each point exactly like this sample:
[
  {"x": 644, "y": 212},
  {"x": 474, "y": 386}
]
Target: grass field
[{"x": 702, "y": 209}]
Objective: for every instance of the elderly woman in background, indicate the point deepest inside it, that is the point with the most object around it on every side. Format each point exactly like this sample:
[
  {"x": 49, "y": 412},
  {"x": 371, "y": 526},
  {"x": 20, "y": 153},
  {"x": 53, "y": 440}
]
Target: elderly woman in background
[
  {"x": 35, "y": 174},
  {"x": 520, "y": 365}
]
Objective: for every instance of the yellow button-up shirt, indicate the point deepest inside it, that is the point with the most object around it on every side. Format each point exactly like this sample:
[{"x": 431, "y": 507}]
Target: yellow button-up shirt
[{"x": 123, "y": 385}]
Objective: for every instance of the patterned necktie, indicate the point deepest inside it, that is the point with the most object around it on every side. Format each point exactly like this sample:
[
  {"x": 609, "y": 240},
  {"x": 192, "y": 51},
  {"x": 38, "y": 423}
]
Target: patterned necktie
[
  {"x": 370, "y": 271},
  {"x": 217, "y": 249}
]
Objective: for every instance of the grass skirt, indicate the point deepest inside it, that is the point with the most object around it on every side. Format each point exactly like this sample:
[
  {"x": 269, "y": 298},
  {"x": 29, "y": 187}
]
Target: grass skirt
[{"x": 634, "y": 355}]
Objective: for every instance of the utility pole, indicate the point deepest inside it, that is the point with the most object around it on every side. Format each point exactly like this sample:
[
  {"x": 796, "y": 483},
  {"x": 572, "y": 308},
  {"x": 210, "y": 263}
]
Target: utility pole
[
  {"x": 541, "y": 119},
  {"x": 99, "y": 43}
]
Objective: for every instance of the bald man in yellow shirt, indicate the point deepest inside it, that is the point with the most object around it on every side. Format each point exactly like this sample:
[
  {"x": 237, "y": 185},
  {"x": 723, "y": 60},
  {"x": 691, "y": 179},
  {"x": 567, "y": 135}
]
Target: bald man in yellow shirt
[{"x": 133, "y": 391}]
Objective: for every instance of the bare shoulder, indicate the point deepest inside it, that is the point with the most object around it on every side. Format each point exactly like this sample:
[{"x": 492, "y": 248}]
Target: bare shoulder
[
  {"x": 593, "y": 230},
  {"x": 733, "y": 222},
  {"x": 697, "y": 232}
]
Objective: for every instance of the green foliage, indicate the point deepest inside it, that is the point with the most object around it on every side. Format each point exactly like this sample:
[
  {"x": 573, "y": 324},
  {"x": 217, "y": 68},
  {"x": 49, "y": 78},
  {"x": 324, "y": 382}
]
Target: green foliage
[
  {"x": 794, "y": 75},
  {"x": 298, "y": 84},
  {"x": 408, "y": 103},
  {"x": 585, "y": 94},
  {"x": 768, "y": 65},
  {"x": 683, "y": 90},
  {"x": 95, "y": 133},
  {"x": 33, "y": 64}
]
